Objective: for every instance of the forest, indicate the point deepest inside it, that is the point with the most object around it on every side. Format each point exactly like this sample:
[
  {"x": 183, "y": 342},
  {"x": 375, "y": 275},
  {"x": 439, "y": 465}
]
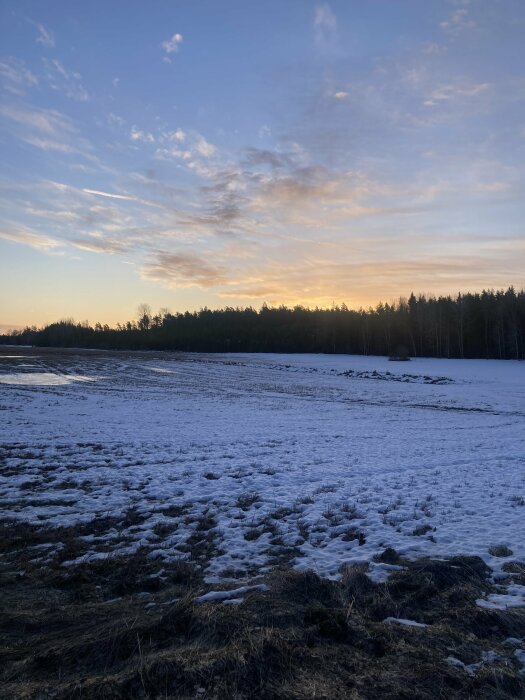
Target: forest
[{"x": 490, "y": 324}]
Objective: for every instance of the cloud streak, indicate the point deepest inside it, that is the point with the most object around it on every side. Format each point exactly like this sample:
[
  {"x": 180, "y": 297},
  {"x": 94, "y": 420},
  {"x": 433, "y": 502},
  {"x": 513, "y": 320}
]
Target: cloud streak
[
  {"x": 178, "y": 270},
  {"x": 47, "y": 130},
  {"x": 110, "y": 195},
  {"x": 15, "y": 76},
  {"x": 449, "y": 92},
  {"x": 18, "y": 234},
  {"x": 45, "y": 37},
  {"x": 458, "y": 21},
  {"x": 325, "y": 28},
  {"x": 63, "y": 80},
  {"x": 48, "y": 121},
  {"x": 354, "y": 163}
]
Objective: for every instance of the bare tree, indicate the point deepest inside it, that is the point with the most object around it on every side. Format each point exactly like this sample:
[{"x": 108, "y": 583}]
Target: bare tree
[{"x": 144, "y": 316}]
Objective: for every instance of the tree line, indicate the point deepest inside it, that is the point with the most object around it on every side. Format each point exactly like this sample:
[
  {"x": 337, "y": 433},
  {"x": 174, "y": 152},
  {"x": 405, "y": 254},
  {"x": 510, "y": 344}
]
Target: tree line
[{"x": 490, "y": 324}]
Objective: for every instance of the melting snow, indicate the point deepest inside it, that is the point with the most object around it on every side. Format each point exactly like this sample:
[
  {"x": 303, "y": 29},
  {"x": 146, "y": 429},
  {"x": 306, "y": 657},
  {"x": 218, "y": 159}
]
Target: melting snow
[
  {"x": 276, "y": 453},
  {"x": 230, "y": 596},
  {"x": 514, "y": 597},
  {"x": 42, "y": 378},
  {"x": 403, "y": 621}
]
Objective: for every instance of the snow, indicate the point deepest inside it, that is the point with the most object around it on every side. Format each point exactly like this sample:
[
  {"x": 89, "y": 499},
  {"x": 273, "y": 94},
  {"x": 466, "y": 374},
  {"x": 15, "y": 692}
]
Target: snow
[
  {"x": 512, "y": 642},
  {"x": 514, "y": 597},
  {"x": 379, "y": 572},
  {"x": 404, "y": 621},
  {"x": 309, "y": 454},
  {"x": 487, "y": 657},
  {"x": 452, "y": 661},
  {"x": 468, "y": 668},
  {"x": 41, "y": 378},
  {"x": 231, "y": 596},
  {"x": 519, "y": 655}
]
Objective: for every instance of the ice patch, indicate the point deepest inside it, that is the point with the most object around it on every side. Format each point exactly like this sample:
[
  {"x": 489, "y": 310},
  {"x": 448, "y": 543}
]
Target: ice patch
[
  {"x": 519, "y": 655},
  {"x": 512, "y": 642}
]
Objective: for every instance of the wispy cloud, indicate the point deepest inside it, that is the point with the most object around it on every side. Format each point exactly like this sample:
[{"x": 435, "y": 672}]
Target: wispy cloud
[
  {"x": 458, "y": 21},
  {"x": 16, "y": 76},
  {"x": 50, "y": 144},
  {"x": 137, "y": 134},
  {"x": 99, "y": 246},
  {"x": 257, "y": 209},
  {"x": 172, "y": 45},
  {"x": 492, "y": 187},
  {"x": 264, "y": 131},
  {"x": 320, "y": 281},
  {"x": 177, "y": 153},
  {"x": 256, "y": 214},
  {"x": 177, "y": 135},
  {"x": 47, "y": 130},
  {"x": 432, "y": 48},
  {"x": 325, "y": 28},
  {"x": 45, "y": 36},
  {"x": 204, "y": 148},
  {"x": 376, "y": 168},
  {"x": 48, "y": 121},
  {"x": 183, "y": 270},
  {"x": 115, "y": 120},
  {"x": 193, "y": 149},
  {"x": 19, "y": 234},
  {"x": 109, "y": 195},
  {"x": 450, "y": 92},
  {"x": 63, "y": 80},
  {"x": 85, "y": 218}
]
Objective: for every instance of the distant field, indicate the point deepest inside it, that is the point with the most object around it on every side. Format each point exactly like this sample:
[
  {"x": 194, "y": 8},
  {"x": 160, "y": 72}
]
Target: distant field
[{"x": 238, "y": 466}]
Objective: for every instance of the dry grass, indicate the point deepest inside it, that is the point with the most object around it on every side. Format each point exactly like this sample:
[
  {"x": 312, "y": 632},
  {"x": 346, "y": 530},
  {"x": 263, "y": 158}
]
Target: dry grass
[{"x": 122, "y": 627}]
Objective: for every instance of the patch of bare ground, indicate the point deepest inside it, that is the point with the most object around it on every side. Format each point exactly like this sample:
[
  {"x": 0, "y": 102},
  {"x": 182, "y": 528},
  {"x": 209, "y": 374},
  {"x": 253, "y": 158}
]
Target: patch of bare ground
[{"x": 130, "y": 627}]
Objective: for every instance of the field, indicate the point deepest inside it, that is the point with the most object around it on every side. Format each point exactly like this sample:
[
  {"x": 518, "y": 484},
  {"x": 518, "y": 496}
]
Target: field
[{"x": 136, "y": 486}]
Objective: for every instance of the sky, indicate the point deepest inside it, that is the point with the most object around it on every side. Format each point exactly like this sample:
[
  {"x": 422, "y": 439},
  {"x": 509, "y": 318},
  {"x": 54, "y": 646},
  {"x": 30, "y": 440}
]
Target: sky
[{"x": 191, "y": 153}]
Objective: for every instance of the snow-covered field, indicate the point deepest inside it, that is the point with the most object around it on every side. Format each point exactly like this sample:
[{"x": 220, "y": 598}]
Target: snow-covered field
[{"x": 322, "y": 460}]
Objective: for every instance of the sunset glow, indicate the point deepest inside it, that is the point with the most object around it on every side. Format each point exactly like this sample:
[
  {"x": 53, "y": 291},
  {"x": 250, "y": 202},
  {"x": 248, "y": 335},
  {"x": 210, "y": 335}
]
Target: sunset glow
[{"x": 190, "y": 154}]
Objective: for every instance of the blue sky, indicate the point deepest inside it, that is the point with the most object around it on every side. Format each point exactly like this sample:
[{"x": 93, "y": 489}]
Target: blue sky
[{"x": 191, "y": 153}]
